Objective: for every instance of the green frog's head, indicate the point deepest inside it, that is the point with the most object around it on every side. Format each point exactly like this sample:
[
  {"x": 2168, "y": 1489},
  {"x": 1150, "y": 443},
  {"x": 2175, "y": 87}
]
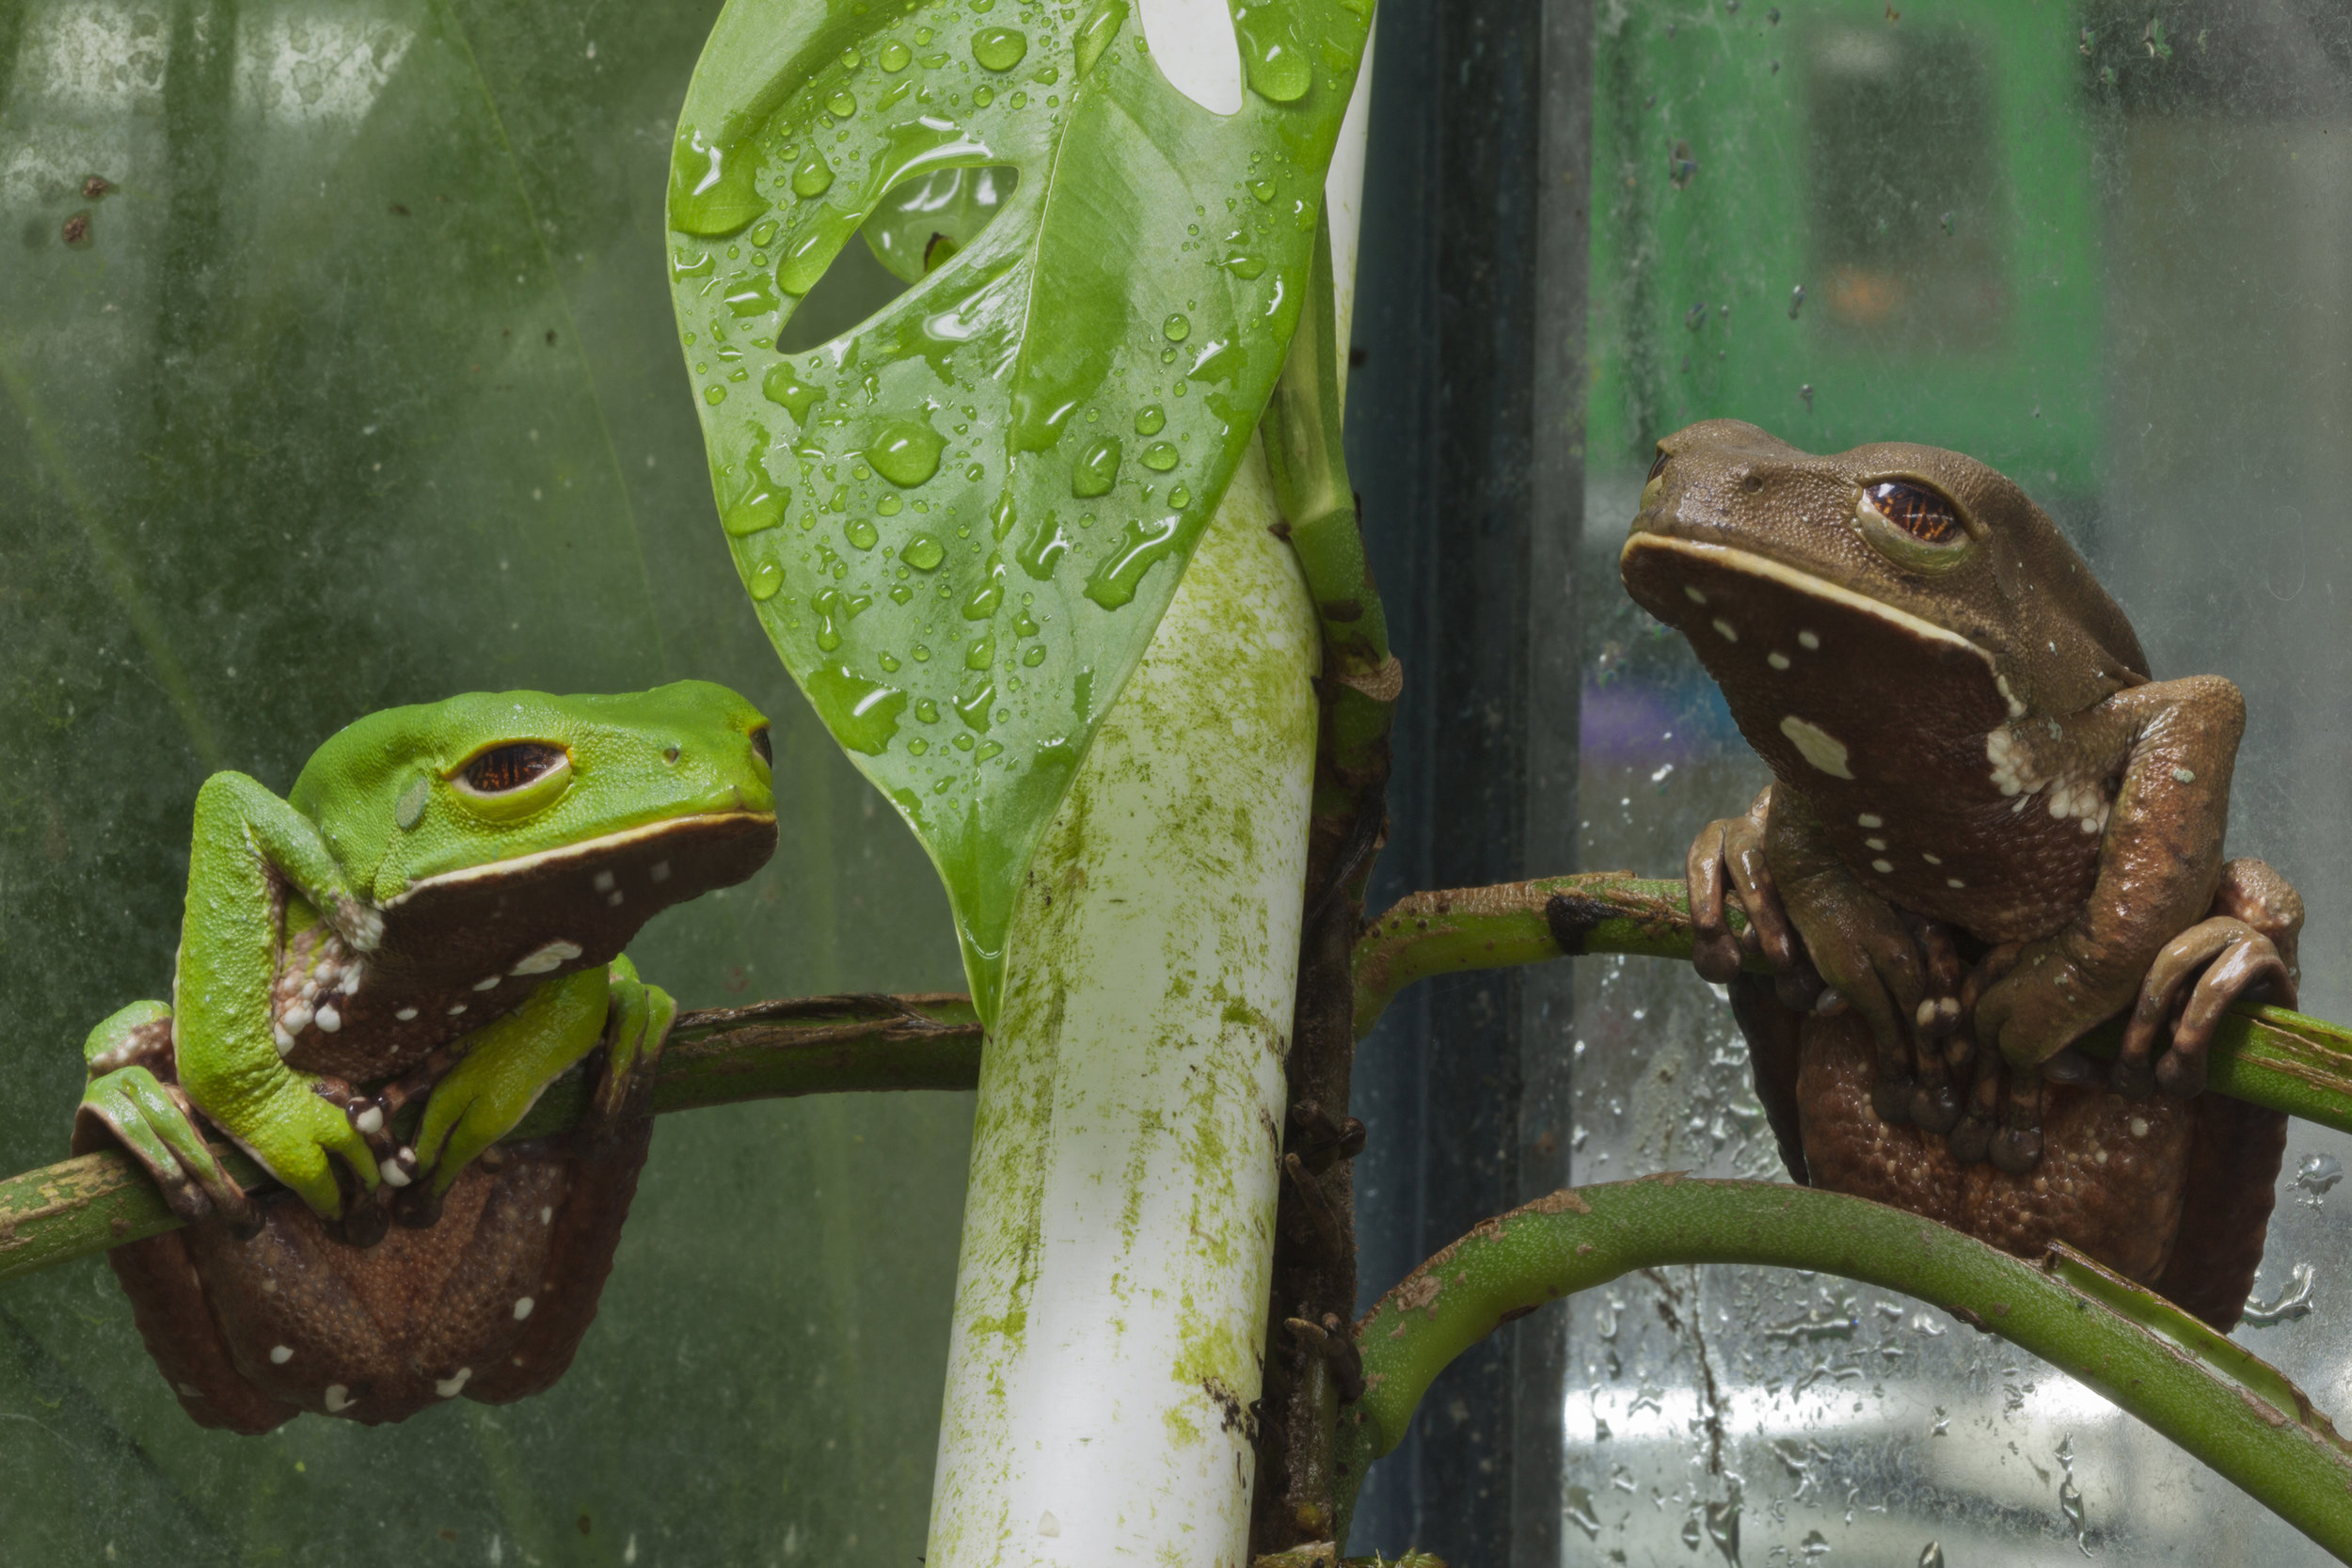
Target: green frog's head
[
  {"x": 510, "y": 786},
  {"x": 1892, "y": 567}
]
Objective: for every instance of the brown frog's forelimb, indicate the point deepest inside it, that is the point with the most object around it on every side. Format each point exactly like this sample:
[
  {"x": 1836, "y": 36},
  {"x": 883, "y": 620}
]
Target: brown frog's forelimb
[
  {"x": 2245, "y": 947},
  {"x": 1864, "y": 950},
  {"x": 1727, "y": 868},
  {"x": 2175, "y": 743}
]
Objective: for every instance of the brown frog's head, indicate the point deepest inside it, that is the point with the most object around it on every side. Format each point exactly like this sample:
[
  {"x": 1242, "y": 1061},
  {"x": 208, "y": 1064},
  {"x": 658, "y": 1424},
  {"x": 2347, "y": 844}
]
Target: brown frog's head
[{"x": 1922, "y": 588}]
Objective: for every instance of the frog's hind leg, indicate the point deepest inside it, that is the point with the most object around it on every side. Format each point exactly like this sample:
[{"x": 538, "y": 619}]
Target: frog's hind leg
[
  {"x": 167, "y": 1304},
  {"x": 1775, "y": 1056},
  {"x": 2230, "y": 1183}
]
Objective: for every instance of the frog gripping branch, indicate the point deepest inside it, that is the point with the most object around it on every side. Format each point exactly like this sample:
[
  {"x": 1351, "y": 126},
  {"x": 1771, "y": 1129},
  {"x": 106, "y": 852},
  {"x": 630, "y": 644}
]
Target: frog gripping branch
[
  {"x": 432, "y": 922},
  {"x": 1989, "y": 833}
]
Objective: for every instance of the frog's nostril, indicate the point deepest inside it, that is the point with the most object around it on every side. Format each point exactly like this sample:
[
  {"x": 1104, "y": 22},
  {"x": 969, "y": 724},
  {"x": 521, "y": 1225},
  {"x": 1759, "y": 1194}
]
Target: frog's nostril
[{"x": 669, "y": 754}]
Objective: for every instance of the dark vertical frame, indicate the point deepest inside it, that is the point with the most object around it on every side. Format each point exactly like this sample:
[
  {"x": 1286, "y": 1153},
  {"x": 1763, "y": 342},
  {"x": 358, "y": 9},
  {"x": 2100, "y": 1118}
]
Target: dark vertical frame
[{"x": 1465, "y": 428}]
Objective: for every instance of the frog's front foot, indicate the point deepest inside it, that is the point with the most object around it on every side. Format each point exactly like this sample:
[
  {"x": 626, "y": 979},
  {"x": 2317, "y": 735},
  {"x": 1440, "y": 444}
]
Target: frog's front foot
[
  {"x": 1725, "y": 869},
  {"x": 2244, "y": 950},
  {"x": 636, "y": 1030}
]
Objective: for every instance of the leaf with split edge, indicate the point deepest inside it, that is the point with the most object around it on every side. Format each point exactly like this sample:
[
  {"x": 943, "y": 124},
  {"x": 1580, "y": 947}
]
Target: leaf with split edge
[{"x": 961, "y": 522}]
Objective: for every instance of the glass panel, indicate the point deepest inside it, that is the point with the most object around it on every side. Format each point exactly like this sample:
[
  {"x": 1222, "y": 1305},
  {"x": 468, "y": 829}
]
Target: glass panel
[
  {"x": 2106, "y": 258},
  {"x": 356, "y": 384}
]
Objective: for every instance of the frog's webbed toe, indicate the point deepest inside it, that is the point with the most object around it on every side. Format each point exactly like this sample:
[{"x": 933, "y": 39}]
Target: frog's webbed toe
[
  {"x": 2245, "y": 950},
  {"x": 1942, "y": 1048}
]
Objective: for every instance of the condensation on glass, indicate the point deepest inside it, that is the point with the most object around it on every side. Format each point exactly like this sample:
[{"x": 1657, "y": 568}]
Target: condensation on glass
[{"x": 2103, "y": 251}]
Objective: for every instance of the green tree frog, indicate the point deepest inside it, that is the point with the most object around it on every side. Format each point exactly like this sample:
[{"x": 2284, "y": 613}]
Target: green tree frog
[
  {"x": 436, "y": 912},
  {"x": 1988, "y": 831}
]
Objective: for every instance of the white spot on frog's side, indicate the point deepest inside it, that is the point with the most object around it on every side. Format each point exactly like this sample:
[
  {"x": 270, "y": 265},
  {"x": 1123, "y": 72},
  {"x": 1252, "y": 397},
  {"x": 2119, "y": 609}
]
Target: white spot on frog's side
[
  {"x": 487, "y": 982},
  {"x": 613, "y": 898},
  {"x": 1870, "y": 820},
  {"x": 2016, "y": 708},
  {"x": 1818, "y": 745},
  {"x": 405, "y": 1014},
  {"x": 296, "y": 1018},
  {"x": 1882, "y": 867},
  {"x": 553, "y": 955},
  {"x": 281, "y": 1355},
  {"x": 449, "y": 1387},
  {"x": 1809, "y": 642},
  {"x": 371, "y": 1120},
  {"x": 1954, "y": 883},
  {"x": 2012, "y": 767},
  {"x": 189, "y": 1390},
  {"x": 604, "y": 882},
  {"x": 2139, "y": 1126},
  {"x": 354, "y": 972},
  {"x": 2086, "y": 804},
  {"x": 269, "y": 1287},
  {"x": 1047, "y": 1523},
  {"x": 546, "y": 1216},
  {"x": 337, "y": 1399},
  {"x": 1725, "y": 630},
  {"x": 1926, "y": 1012},
  {"x": 284, "y": 1042},
  {"x": 1694, "y": 594},
  {"x": 2181, "y": 775},
  {"x": 1874, "y": 843},
  {"x": 456, "y": 1008},
  {"x": 328, "y": 1018},
  {"x": 391, "y": 1173},
  {"x": 1777, "y": 661},
  {"x": 658, "y": 871},
  {"x": 1930, "y": 858},
  {"x": 522, "y": 1307}
]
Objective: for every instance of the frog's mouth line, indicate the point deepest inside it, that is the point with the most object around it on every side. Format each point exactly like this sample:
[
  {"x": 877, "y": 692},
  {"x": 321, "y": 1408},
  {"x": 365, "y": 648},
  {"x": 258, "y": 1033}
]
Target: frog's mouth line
[
  {"x": 626, "y": 838},
  {"x": 1726, "y": 558}
]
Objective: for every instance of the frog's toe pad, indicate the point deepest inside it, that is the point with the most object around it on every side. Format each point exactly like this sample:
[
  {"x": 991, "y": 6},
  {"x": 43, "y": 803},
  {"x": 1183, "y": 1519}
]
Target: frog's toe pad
[{"x": 2016, "y": 1150}]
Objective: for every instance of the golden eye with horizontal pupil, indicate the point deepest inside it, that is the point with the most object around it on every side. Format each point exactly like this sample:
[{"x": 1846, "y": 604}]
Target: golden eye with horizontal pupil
[
  {"x": 505, "y": 770},
  {"x": 1921, "y": 512}
]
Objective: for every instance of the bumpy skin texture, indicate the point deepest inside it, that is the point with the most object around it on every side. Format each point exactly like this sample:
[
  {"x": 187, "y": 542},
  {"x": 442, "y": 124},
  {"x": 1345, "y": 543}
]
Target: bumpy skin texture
[
  {"x": 435, "y": 914},
  {"x": 1987, "y": 826},
  {"x": 377, "y": 1334}
]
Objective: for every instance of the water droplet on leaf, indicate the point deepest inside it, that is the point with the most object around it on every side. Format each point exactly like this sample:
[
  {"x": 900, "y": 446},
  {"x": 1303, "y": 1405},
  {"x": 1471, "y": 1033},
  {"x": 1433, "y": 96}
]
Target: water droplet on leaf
[
  {"x": 906, "y": 452},
  {"x": 861, "y": 533},
  {"x": 999, "y": 48},
  {"x": 1159, "y": 456},
  {"x": 894, "y": 56},
  {"x": 842, "y": 104},
  {"x": 811, "y": 178},
  {"x": 924, "y": 553},
  {"x": 1177, "y": 328},
  {"x": 765, "y": 582},
  {"x": 1149, "y": 418},
  {"x": 1097, "y": 469}
]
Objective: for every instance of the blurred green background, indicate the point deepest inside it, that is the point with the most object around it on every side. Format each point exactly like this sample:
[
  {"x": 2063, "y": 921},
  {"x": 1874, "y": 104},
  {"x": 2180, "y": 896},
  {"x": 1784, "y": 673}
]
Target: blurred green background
[{"x": 359, "y": 387}]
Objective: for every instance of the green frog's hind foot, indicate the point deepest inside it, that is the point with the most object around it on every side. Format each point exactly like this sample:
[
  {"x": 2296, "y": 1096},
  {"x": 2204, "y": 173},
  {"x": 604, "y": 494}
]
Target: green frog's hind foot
[
  {"x": 636, "y": 1030},
  {"x": 131, "y": 1102}
]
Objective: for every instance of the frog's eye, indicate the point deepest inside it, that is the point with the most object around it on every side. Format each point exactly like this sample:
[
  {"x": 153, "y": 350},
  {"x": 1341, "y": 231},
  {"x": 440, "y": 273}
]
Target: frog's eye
[
  {"x": 503, "y": 770},
  {"x": 765, "y": 747},
  {"x": 1923, "y": 513}
]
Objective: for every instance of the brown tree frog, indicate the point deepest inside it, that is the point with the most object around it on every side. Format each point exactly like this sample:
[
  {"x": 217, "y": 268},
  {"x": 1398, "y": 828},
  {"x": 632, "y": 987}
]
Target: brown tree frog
[
  {"x": 434, "y": 913},
  {"x": 1988, "y": 831}
]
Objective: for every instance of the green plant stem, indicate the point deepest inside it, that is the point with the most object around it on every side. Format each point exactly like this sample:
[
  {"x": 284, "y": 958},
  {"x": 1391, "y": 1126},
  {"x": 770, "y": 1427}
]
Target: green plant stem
[
  {"x": 2210, "y": 1396},
  {"x": 772, "y": 1050},
  {"x": 2264, "y": 1055}
]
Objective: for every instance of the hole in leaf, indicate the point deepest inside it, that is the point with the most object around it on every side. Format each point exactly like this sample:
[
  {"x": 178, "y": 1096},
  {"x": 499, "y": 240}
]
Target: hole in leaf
[
  {"x": 1192, "y": 42},
  {"x": 918, "y": 225}
]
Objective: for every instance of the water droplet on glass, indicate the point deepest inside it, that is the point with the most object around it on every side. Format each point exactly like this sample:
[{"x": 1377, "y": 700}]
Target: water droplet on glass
[
  {"x": 999, "y": 48},
  {"x": 811, "y": 178},
  {"x": 842, "y": 104},
  {"x": 1097, "y": 469},
  {"x": 1149, "y": 418},
  {"x": 861, "y": 533},
  {"x": 1159, "y": 456},
  {"x": 2318, "y": 1175},
  {"x": 906, "y": 452},
  {"x": 1931, "y": 1554},
  {"x": 894, "y": 56},
  {"x": 765, "y": 582},
  {"x": 924, "y": 553},
  {"x": 1176, "y": 327}
]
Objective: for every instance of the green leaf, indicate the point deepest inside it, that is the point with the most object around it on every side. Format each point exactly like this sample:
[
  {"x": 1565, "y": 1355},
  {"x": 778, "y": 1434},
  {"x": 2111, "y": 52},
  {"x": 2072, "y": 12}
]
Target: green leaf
[{"x": 961, "y": 521}]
